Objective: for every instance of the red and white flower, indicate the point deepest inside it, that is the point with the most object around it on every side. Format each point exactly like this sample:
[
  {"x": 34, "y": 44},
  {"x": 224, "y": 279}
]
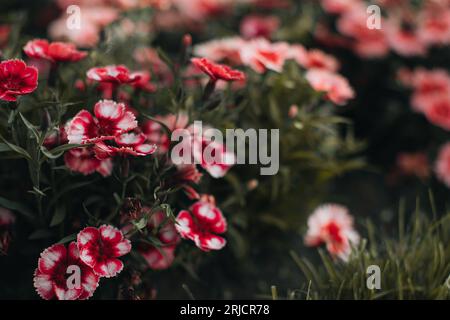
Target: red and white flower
[
  {"x": 54, "y": 51},
  {"x": 84, "y": 161},
  {"x": 217, "y": 71},
  {"x": 50, "y": 277},
  {"x": 158, "y": 258},
  {"x": 129, "y": 144},
  {"x": 336, "y": 87},
  {"x": 16, "y": 79},
  {"x": 100, "y": 249},
  {"x": 332, "y": 225},
  {"x": 202, "y": 224},
  {"x": 115, "y": 74},
  {"x": 442, "y": 165},
  {"x": 111, "y": 119}
]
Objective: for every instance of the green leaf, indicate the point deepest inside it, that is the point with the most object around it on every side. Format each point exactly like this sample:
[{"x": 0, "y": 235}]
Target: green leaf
[
  {"x": 4, "y": 147},
  {"x": 40, "y": 234},
  {"x": 31, "y": 127},
  {"x": 67, "y": 239},
  {"x": 60, "y": 214},
  {"x": 19, "y": 150}
]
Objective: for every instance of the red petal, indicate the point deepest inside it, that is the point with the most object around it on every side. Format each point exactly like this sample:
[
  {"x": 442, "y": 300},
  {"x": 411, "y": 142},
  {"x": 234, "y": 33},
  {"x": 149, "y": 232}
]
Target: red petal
[
  {"x": 51, "y": 258},
  {"x": 44, "y": 285},
  {"x": 108, "y": 268},
  {"x": 110, "y": 234},
  {"x": 210, "y": 241},
  {"x": 122, "y": 248},
  {"x": 185, "y": 225}
]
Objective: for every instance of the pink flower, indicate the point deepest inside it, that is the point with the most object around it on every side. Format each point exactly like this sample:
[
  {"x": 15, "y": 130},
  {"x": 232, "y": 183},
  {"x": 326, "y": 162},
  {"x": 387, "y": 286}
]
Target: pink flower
[
  {"x": 128, "y": 144},
  {"x": 114, "y": 74},
  {"x": 261, "y": 55},
  {"x": 16, "y": 79},
  {"x": 226, "y": 49},
  {"x": 202, "y": 224},
  {"x": 111, "y": 119},
  {"x": 51, "y": 277},
  {"x": 438, "y": 111},
  {"x": 317, "y": 59},
  {"x": 434, "y": 26},
  {"x": 331, "y": 224},
  {"x": 254, "y": 26},
  {"x": 84, "y": 161},
  {"x": 217, "y": 71},
  {"x": 403, "y": 41},
  {"x": 87, "y": 36},
  {"x": 368, "y": 43},
  {"x": 55, "y": 51},
  {"x": 428, "y": 84},
  {"x": 212, "y": 155},
  {"x": 100, "y": 247},
  {"x": 336, "y": 88},
  {"x": 202, "y": 9},
  {"x": 161, "y": 258},
  {"x": 158, "y": 258},
  {"x": 442, "y": 165},
  {"x": 143, "y": 83}
]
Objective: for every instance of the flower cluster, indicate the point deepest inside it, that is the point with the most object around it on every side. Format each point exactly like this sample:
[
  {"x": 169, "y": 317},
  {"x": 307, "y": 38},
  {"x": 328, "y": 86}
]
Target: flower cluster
[
  {"x": 261, "y": 55},
  {"x": 406, "y": 29},
  {"x": 93, "y": 256}
]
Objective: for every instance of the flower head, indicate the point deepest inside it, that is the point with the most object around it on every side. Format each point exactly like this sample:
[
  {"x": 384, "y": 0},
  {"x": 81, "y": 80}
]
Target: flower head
[
  {"x": 51, "y": 276},
  {"x": 111, "y": 119},
  {"x": 114, "y": 74},
  {"x": 332, "y": 225},
  {"x": 217, "y": 71},
  {"x": 202, "y": 224},
  {"x": 130, "y": 144},
  {"x": 16, "y": 78},
  {"x": 336, "y": 87},
  {"x": 100, "y": 249},
  {"x": 54, "y": 51}
]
